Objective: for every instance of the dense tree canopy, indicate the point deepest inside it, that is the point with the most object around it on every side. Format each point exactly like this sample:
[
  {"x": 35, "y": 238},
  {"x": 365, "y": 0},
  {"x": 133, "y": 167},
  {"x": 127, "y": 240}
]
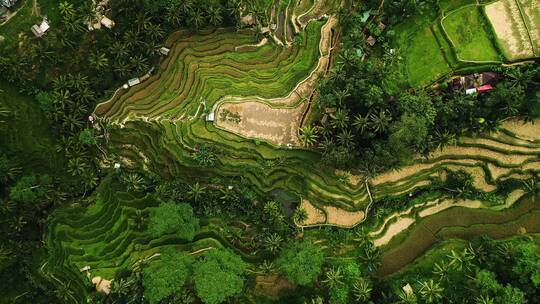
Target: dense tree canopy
[
  {"x": 166, "y": 276},
  {"x": 172, "y": 218},
  {"x": 218, "y": 276},
  {"x": 301, "y": 262}
]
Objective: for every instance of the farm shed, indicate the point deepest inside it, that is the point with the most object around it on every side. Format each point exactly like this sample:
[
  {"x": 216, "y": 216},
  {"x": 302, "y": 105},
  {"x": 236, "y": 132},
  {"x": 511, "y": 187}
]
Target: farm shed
[
  {"x": 134, "y": 81},
  {"x": 164, "y": 51},
  {"x": 484, "y": 88},
  {"x": 40, "y": 30}
]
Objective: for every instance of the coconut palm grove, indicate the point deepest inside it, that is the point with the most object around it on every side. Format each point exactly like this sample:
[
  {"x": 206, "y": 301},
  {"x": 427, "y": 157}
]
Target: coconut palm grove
[{"x": 269, "y": 151}]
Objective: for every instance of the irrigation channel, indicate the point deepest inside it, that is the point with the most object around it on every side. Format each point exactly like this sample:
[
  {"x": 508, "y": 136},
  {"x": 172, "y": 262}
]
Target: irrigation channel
[{"x": 462, "y": 223}]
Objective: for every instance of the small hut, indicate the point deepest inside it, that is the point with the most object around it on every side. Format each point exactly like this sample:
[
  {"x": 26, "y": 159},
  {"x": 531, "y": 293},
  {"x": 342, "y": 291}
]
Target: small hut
[
  {"x": 41, "y": 29},
  {"x": 134, "y": 81},
  {"x": 164, "y": 51}
]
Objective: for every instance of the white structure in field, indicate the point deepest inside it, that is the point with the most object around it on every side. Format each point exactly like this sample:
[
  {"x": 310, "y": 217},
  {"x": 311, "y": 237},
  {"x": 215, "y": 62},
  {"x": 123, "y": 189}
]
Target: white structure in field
[
  {"x": 41, "y": 29},
  {"x": 134, "y": 81}
]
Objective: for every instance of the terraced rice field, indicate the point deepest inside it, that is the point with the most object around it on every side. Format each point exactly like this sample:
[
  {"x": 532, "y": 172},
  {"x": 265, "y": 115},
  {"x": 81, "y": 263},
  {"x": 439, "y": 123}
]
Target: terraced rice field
[
  {"x": 104, "y": 237},
  {"x": 277, "y": 120},
  {"x": 457, "y": 222},
  {"x": 267, "y": 88},
  {"x": 513, "y": 153},
  {"x": 467, "y": 34},
  {"x": 511, "y": 29}
]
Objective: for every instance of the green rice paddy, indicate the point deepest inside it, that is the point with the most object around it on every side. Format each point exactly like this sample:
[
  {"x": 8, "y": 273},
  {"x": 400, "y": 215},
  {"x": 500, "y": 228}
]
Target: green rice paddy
[{"x": 468, "y": 32}]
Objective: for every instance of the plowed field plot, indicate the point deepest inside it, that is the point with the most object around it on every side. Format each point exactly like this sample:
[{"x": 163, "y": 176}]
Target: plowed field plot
[
  {"x": 258, "y": 120},
  {"x": 531, "y": 15},
  {"x": 511, "y": 31}
]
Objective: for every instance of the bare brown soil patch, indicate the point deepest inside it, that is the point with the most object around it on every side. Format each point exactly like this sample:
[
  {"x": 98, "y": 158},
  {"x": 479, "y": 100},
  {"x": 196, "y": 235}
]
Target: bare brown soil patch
[
  {"x": 314, "y": 215},
  {"x": 509, "y": 28},
  {"x": 258, "y": 120},
  {"x": 527, "y": 131},
  {"x": 394, "y": 229},
  {"x": 340, "y": 217},
  {"x": 272, "y": 285},
  {"x": 448, "y": 203}
]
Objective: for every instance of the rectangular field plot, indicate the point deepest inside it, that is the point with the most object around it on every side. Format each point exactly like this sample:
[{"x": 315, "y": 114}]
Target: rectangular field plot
[
  {"x": 425, "y": 61},
  {"x": 468, "y": 31},
  {"x": 511, "y": 31},
  {"x": 531, "y": 14},
  {"x": 257, "y": 120}
]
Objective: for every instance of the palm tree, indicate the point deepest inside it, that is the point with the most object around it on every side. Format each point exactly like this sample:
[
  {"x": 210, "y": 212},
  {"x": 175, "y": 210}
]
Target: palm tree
[
  {"x": 346, "y": 138},
  {"x": 380, "y": 121},
  {"x": 196, "y": 192},
  {"x": 484, "y": 299},
  {"x": 273, "y": 242},
  {"x": 71, "y": 122},
  {"x": 441, "y": 270},
  {"x": 90, "y": 179},
  {"x": 118, "y": 49},
  {"x": 133, "y": 181},
  {"x": 316, "y": 300},
  {"x": 77, "y": 166},
  {"x": 174, "y": 16},
  {"x": 121, "y": 287},
  {"x": 186, "y": 6},
  {"x": 195, "y": 18},
  {"x": 139, "y": 63},
  {"x": 300, "y": 216},
  {"x": 308, "y": 136},
  {"x": 460, "y": 260},
  {"x": 18, "y": 223},
  {"x": 121, "y": 68},
  {"x": 214, "y": 16},
  {"x": 430, "y": 291},
  {"x": 532, "y": 185},
  {"x": 64, "y": 293},
  {"x": 333, "y": 278},
  {"x": 154, "y": 31},
  {"x": 66, "y": 9},
  {"x": 511, "y": 107},
  {"x": 371, "y": 257},
  {"x": 444, "y": 138},
  {"x": 362, "y": 123},
  {"x": 407, "y": 298},
  {"x": 4, "y": 113},
  {"x": 362, "y": 290},
  {"x": 139, "y": 219},
  {"x": 131, "y": 39},
  {"x": 340, "y": 119},
  {"x": 267, "y": 267},
  {"x": 61, "y": 83},
  {"x": 341, "y": 95},
  {"x": 362, "y": 237},
  {"x": 506, "y": 251},
  {"x": 98, "y": 60}
]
